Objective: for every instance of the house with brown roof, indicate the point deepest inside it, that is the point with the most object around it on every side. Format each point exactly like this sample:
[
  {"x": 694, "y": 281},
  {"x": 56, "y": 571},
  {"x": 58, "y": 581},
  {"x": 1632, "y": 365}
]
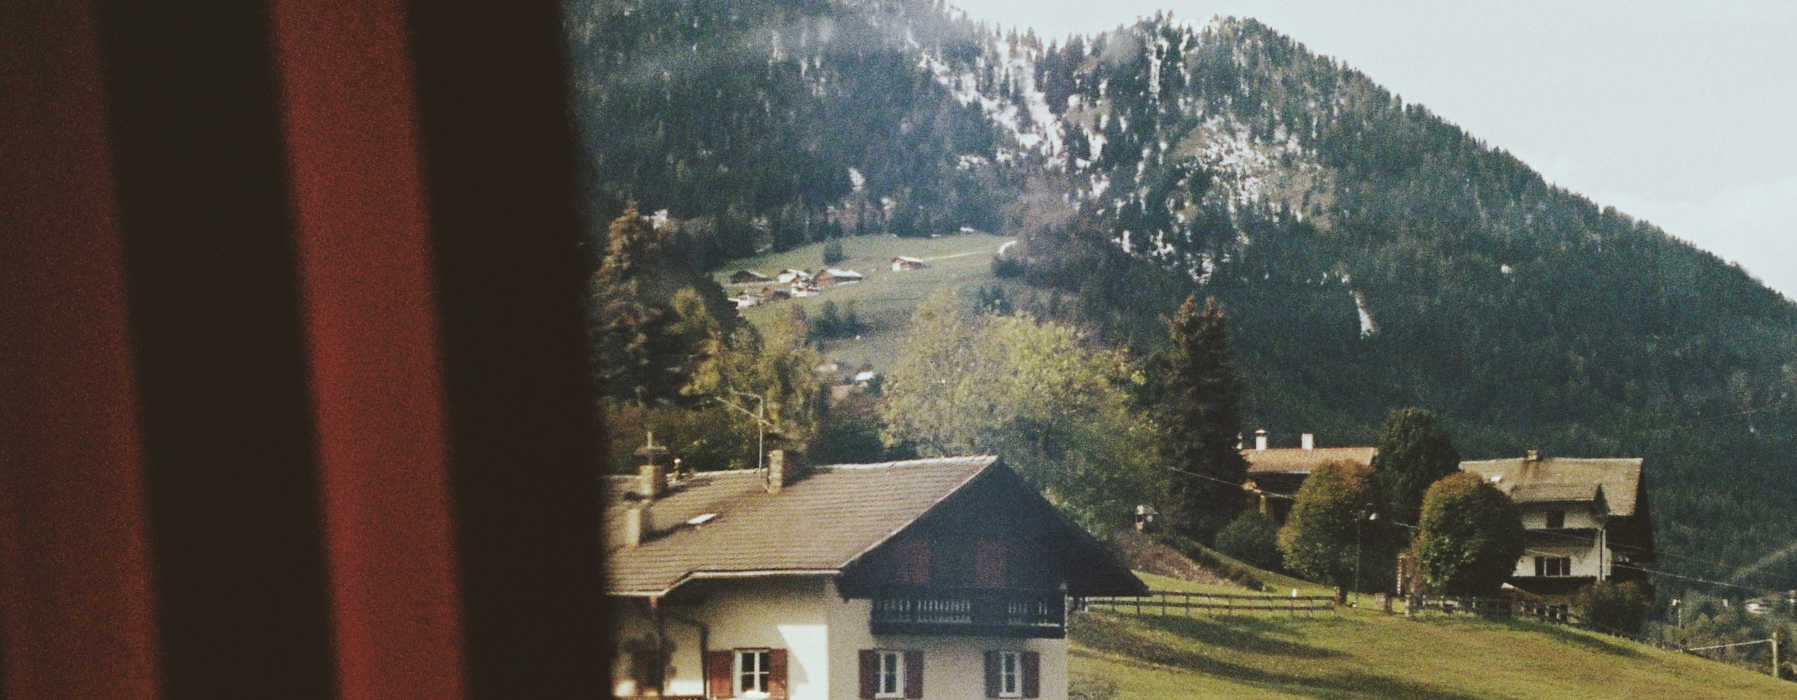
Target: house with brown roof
[
  {"x": 846, "y": 581},
  {"x": 831, "y": 277},
  {"x": 904, "y": 262},
  {"x": 1274, "y": 474},
  {"x": 1584, "y": 520}
]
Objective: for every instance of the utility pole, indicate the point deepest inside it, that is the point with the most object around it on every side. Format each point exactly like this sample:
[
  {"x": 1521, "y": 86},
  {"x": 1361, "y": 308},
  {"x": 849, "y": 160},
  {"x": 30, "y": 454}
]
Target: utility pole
[{"x": 1365, "y": 514}]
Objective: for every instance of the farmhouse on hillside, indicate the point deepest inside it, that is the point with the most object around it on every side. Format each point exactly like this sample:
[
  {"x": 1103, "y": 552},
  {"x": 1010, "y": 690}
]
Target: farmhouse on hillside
[
  {"x": 789, "y": 275},
  {"x": 747, "y": 277},
  {"x": 908, "y": 263},
  {"x": 1585, "y": 520},
  {"x": 940, "y": 577},
  {"x": 832, "y": 276},
  {"x": 1274, "y": 474}
]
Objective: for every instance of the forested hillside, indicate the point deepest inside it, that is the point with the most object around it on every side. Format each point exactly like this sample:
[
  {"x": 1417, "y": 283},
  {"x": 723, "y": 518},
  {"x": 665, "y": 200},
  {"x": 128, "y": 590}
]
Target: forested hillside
[{"x": 1370, "y": 255}]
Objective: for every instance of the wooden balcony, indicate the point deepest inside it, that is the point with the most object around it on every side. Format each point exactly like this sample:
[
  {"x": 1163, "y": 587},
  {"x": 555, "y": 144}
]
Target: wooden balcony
[{"x": 971, "y": 612}]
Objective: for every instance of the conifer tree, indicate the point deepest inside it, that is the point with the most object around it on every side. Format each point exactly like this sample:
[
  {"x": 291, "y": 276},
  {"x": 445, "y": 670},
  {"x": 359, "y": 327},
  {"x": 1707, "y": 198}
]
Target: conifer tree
[
  {"x": 654, "y": 321},
  {"x": 1414, "y": 452},
  {"x": 1199, "y": 411}
]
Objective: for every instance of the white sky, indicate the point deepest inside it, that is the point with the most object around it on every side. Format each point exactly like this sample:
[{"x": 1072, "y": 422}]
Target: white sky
[{"x": 1684, "y": 115}]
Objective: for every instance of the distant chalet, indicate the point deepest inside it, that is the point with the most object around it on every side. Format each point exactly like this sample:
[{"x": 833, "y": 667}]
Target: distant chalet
[
  {"x": 846, "y": 581},
  {"x": 908, "y": 263},
  {"x": 1274, "y": 474},
  {"x": 832, "y": 276},
  {"x": 748, "y": 277}
]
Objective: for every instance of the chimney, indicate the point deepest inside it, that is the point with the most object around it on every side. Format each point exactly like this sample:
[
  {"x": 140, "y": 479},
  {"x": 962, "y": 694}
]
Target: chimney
[
  {"x": 1260, "y": 439},
  {"x": 637, "y": 524},
  {"x": 1308, "y": 440},
  {"x": 776, "y": 470},
  {"x": 652, "y": 481},
  {"x": 784, "y": 467}
]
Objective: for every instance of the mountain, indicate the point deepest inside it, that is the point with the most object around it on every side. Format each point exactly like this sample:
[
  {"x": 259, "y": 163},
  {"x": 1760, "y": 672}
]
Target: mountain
[{"x": 1370, "y": 254}]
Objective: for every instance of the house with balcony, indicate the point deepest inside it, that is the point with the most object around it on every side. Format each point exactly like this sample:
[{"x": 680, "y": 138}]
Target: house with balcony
[
  {"x": 1275, "y": 473},
  {"x": 943, "y": 577},
  {"x": 1584, "y": 520}
]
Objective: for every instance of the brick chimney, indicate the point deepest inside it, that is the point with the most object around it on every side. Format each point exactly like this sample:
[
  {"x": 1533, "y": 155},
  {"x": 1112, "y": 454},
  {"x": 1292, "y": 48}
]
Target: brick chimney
[
  {"x": 637, "y": 524},
  {"x": 1308, "y": 440},
  {"x": 652, "y": 480},
  {"x": 784, "y": 467},
  {"x": 1260, "y": 438}
]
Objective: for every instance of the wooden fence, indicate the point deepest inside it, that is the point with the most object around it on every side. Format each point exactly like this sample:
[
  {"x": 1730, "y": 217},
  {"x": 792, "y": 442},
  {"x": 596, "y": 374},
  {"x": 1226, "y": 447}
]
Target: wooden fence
[
  {"x": 1493, "y": 607},
  {"x": 1190, "y": 604}
]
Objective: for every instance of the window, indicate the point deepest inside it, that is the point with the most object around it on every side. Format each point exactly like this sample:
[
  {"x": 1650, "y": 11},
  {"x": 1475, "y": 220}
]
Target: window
[
  {"x": 752, "y": 671},
  {"x": 1553, "y": 566},
  {"x": 1556, "y": 519},
  {"x": 889, "y": 676},
  {"x": 989, "y": 558},
  {"x": 891, "y": 673},
  {"x": 1010, "y": 672},
  {"x": 1013, "y": 674},
  {"x": 913, "y": 561}
]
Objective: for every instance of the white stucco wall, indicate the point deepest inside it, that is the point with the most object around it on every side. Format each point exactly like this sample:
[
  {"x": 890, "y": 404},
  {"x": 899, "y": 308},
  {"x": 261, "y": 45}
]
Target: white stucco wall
[
  {"x": 1581, "y": 548},
  {"x": 1584, "y": 558},
  {"x": 776, "y": 613},
  {"x": 1536, "y": 518},
  {"x": 823, "y": 636},
  {"x": 953, "y": 666}
]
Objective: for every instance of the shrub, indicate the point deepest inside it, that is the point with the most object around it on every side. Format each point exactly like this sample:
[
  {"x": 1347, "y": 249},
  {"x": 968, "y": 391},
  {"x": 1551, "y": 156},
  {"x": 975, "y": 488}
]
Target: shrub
[
  {"x": 833, "y": 252},
  {"x": 1252, "y": 538},
  {"x": 1612, "y": 606}
]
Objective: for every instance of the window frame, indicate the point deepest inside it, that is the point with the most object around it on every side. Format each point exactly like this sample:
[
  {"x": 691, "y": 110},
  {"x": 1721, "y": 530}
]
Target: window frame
[
  {"x": 763, "y": 671},
  {"x": 882, "y": 669},
  {"x": 1010, "y": 668}
]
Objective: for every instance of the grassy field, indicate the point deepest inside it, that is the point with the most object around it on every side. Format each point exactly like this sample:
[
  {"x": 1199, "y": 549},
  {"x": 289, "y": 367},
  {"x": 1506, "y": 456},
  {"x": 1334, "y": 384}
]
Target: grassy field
[
  {"x": 885, "y": 300},
  {"x": 1365, "y": 654}
]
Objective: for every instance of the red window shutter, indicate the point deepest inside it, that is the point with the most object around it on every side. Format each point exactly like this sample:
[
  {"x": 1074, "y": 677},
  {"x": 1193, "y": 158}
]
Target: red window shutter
[
  {"x": 992, "y": 674},
  {"x": 989, "y": 564},
  {"x": 1032, "y": 680},
  {"x": 776, "y": 674},
  {"x": 717, "y": 674},
  {"x": 913, "y": 674},
  {"x": 870, "y": 662}
]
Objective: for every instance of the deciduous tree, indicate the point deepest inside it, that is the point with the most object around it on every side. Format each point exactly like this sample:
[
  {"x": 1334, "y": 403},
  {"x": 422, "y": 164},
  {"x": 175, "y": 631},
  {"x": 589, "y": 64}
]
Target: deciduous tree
[
  {"x": 1321, "y": 539},
  {"x": 1469, "y": 537},
  {"x": 1035, "y": 393}
]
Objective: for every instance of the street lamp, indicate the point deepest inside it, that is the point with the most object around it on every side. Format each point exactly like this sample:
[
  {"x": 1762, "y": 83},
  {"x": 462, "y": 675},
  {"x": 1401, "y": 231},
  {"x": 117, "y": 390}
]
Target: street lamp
[
  {"x": 1365, "y": 514},
  {"x": 759, "y": 414}
]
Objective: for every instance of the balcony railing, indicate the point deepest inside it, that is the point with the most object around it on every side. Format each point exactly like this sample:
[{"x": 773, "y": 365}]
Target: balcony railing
[{"x": 984, "y": 612}]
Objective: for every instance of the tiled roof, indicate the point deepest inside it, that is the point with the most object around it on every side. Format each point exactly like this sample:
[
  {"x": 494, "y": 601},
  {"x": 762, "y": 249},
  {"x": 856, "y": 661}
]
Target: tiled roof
[
  {"x": 819, "y": 524},
  {"x": 1556, "y": 493},
  {"x": 1296, "y": 460},
  {"x": 1619, "y": 477}
]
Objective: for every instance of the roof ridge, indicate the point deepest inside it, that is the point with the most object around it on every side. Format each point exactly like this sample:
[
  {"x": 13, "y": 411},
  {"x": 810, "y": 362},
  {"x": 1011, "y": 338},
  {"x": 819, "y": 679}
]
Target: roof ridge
[{"x": 920, "y": 461}]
